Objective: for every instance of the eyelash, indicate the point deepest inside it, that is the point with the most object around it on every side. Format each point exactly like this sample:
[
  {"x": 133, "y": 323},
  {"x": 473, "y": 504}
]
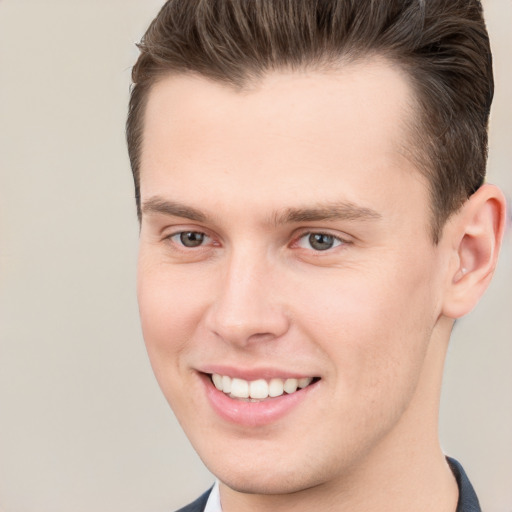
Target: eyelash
[
  {"x": 337, "y": 241},
  {"x": 177, "y": 239}
]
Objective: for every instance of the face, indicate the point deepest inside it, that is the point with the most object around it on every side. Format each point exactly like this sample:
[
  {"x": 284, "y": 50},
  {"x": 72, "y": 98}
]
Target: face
[{"x": 288, "y": 286}]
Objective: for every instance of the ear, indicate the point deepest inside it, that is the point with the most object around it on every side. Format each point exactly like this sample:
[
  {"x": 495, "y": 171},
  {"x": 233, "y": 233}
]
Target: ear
[{"x": 476, "y": 234}]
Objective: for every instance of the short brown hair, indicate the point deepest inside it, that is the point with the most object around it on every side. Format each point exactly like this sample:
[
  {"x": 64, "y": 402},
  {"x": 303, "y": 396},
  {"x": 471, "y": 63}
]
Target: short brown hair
[{"x": 442, "y": 45}]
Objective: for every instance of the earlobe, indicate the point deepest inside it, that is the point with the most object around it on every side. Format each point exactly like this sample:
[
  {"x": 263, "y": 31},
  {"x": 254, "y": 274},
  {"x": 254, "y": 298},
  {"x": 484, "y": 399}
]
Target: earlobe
[{"x": 477, "y": 233}]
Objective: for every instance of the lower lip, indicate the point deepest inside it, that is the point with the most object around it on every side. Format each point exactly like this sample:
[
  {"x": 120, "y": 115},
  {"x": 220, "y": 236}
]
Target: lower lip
[{"x": 253, "y": 414}]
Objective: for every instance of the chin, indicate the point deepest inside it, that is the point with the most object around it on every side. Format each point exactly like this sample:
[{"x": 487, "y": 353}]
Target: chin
[
  {"x": 273, "y": 485},
  {"x": 268, "y": 479}
]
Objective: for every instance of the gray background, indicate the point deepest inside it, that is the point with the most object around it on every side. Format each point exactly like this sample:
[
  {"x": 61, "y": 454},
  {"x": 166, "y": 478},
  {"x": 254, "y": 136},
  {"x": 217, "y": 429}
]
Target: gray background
[{"x": 83, "y": 425}]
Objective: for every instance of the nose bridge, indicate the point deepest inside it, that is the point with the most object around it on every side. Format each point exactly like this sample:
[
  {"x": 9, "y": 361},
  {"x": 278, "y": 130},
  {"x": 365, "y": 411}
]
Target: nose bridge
[{"x": 246, "y": 306}]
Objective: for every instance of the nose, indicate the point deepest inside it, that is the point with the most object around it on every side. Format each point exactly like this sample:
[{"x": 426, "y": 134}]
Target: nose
[{"x": 247, "y": 307}]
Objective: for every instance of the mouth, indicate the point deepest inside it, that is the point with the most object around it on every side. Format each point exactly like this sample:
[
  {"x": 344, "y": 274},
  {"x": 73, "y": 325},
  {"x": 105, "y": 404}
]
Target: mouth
[
  {"x": 260, "y": 389},
  {"x": 261, "y": 397}
]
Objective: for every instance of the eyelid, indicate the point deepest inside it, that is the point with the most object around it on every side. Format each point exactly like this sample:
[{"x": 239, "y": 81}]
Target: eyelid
[
  {"x": 170, "y": 233},
  {"x": 175, "y": 237},
  {"x": 342, "y": 239}
]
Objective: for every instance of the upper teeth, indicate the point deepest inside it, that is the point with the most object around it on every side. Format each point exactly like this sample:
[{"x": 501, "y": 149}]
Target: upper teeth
[{"x": 258, "y": 389}]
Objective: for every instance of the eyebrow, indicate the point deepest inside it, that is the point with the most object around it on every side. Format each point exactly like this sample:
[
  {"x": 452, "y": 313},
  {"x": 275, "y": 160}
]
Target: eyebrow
[
  {"x": 173, "y": 209},
  {"x": 342, "y": 210}
]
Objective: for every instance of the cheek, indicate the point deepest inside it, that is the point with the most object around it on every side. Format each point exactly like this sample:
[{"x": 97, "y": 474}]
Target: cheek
[
  {"x": 373, "y": 326},
  {"x": 171, "y": 306},
  {"x": 170, "y": 310}
]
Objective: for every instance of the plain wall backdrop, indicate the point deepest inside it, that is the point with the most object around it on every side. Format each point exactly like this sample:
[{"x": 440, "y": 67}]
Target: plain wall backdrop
[{"x": 83, "y": 425}]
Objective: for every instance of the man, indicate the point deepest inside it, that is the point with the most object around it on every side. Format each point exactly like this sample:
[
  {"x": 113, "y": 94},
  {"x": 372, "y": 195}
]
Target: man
[{"x": 310, "y": 185}]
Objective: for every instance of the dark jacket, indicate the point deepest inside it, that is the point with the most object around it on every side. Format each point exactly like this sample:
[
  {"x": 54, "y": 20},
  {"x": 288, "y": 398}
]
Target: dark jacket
[{"x": 198, "y": 505}]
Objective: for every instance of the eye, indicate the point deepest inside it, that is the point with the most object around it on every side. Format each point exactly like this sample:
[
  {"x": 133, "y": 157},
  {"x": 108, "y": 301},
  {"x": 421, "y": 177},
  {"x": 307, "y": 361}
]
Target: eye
[
  {"x": 189, "y": 239},
  {"x": 319, "y": 241}
]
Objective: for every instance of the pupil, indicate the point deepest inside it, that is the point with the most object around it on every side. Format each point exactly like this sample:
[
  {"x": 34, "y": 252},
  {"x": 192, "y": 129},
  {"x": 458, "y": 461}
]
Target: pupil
[
  {"x": 321, "y": 241},
  {"x": 191, "y": 238}
]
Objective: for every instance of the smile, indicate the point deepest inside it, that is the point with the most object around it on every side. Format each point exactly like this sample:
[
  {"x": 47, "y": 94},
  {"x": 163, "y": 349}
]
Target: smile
[
  {"x": 262, "y": 398},
  {"x": 259, "y": 389}
]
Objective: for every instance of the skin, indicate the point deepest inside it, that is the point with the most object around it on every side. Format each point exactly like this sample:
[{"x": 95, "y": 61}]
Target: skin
[{"x": 257, "y": 171}]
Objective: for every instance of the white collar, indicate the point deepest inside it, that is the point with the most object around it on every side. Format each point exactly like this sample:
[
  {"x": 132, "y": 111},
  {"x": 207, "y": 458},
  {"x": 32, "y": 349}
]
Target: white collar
[{"x": 213, "y": 503}]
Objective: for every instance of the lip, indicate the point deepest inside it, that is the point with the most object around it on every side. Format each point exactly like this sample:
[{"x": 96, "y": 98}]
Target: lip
[
  {"x": 250, "y": 374},
  {"x": 253, "y": 414}
]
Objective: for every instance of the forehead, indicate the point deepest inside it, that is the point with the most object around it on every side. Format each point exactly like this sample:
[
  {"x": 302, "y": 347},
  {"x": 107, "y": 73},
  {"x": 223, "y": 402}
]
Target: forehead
[
  {"x": 360, "y": 92},
  {"x": 298, "y": 130}
]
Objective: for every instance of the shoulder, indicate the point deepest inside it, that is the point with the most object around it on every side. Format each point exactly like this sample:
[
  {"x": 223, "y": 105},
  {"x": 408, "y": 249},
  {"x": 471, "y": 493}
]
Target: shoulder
[
  {"x": 198, "y": 505},
  {"x": 468, "y": 501}
]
